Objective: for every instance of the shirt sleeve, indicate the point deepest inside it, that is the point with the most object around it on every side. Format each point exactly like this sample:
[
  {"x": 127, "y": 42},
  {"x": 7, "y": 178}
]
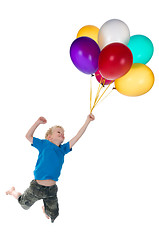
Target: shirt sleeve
[
  {"x": 37, "y": 143},
  {"x": 66, "y": 148}
]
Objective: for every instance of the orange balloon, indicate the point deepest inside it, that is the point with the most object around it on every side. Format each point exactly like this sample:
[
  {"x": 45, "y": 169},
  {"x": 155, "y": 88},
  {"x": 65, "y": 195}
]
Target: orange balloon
[
  {"x": 138, "y": 81},
  {"x": 89, "y": 31}
]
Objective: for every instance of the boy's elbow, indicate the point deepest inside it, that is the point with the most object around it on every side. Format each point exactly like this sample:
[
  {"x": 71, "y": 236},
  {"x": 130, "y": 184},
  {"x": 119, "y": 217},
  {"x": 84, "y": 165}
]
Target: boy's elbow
[{"x": 29, "y": 138}]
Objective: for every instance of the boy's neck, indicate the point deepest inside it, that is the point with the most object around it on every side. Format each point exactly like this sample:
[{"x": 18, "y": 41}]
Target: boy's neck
[{"x": 55, "y": 142}]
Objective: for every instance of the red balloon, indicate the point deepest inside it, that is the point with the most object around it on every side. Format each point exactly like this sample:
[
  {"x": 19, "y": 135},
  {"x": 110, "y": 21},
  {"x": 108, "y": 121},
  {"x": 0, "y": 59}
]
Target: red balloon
[
  {"x": 115, "y": 60},
  {"x": 101, "y": 79}
]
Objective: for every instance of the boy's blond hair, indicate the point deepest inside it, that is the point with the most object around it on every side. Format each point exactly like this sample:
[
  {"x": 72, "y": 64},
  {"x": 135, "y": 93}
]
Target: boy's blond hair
[{"x": 51, "y": 130}]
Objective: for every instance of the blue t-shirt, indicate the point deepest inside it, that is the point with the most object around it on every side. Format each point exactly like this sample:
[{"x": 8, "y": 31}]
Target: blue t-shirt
[{"x": 50, "y": 159}]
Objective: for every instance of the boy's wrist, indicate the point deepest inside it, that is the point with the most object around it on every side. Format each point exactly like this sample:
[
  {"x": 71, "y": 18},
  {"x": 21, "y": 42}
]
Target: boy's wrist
[
  {"x": 88, "y": 121},
  {"x": 37, "y": 123}
]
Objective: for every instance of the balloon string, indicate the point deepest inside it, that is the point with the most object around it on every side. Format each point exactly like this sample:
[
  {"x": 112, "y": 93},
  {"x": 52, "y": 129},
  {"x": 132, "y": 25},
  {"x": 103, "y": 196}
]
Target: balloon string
[
  {"x": 105, "y": 96},
  {"x": 98, "y": 92},
  {"x": 104, "y": 92},
  {"x": 97, "y": 98},
  {"x": 97, "y": 95},
  {"x": 90, "y": 93}
]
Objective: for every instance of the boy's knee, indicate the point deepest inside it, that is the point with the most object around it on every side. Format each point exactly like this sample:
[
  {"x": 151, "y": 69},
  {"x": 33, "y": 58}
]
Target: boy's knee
[{"x": 25, "y": 204}]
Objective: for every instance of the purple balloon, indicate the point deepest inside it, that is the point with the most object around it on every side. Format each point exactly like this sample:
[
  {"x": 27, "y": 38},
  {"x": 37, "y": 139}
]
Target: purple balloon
[{"x": 84, "y": 53}]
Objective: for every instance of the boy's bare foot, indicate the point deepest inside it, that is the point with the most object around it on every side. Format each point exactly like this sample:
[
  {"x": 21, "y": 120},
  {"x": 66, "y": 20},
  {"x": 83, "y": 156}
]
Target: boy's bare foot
[
  {"x": 13, "y": 193},
  {"x": 10, "y": 191},
  {"x": 45, "y": 212}
]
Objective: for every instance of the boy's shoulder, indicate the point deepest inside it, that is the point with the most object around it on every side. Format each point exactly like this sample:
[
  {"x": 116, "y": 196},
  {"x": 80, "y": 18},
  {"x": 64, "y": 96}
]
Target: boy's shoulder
[{"x": 39, "y": 143}]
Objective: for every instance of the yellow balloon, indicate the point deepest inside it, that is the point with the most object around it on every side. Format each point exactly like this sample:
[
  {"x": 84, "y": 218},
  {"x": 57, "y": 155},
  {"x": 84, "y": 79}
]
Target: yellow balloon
[
  {"x": 89, "y": 31},
  {"x": 138, "y": 81}
]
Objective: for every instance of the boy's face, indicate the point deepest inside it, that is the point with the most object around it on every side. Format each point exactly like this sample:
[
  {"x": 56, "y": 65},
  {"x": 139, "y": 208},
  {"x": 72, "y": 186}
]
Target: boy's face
[{"x": 57, "y": 136}]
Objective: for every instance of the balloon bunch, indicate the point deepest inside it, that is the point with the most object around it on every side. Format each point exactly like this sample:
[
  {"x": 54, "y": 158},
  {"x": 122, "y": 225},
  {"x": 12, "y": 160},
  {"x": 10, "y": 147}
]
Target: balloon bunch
[{"x": 113, "y": 56}]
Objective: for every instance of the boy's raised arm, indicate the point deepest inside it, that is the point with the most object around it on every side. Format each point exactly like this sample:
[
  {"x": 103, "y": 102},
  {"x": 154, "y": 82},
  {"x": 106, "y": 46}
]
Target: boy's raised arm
[
  {"x": 82, "y": 130},
  {"x": 29, "y": 135}
]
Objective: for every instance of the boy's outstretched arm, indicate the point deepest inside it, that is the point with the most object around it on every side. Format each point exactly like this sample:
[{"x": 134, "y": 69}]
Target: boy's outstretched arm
[
  {"x": 82, "y": 130},
  {"x": 29, "y": 135}
]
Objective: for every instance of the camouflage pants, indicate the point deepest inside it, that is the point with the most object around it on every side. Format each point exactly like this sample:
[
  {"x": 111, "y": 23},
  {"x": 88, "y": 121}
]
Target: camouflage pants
[{"x": 37, "y": 192}]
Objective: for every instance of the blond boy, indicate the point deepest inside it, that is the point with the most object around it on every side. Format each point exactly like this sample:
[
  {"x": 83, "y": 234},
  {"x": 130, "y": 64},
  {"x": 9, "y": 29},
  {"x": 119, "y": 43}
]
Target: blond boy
[{"x": 48, "y": 167}]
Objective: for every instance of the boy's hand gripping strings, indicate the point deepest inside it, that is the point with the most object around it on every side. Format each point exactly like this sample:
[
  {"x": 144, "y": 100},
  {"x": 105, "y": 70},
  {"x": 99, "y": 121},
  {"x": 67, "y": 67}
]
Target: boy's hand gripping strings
[{"x": 98, "y": 97}]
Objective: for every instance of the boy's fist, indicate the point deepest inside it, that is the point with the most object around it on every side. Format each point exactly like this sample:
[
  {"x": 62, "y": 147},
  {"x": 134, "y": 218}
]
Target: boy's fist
[
  {"x": 91, "y": 117},
  {"x": 42, "y": 120}
]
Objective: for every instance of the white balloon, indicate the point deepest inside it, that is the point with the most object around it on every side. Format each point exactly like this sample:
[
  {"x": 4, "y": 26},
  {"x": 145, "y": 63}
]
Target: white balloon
[{"x": 112, "y": 31}]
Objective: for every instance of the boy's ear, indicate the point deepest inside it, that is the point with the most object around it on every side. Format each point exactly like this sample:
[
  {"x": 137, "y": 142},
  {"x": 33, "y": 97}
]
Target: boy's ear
[{"x": 49, "y": 137}]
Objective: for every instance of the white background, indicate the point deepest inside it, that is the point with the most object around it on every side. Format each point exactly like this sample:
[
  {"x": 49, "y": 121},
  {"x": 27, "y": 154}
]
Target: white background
[{"x": 109, "y": 183}]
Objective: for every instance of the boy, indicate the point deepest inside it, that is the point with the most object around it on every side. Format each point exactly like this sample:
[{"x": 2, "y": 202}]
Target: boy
[{"x": 48, "y": 167}]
